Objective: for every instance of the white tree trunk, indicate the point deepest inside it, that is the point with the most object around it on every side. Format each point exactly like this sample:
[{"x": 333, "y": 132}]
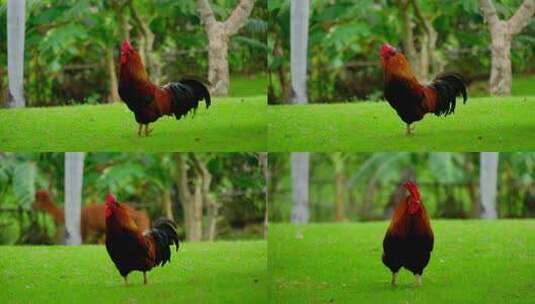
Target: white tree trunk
[
  {"x": 74, "y": 174},
  {"x": 218, "y": 69},
  {"x": 502, "y": 33},
  {"x": 219, "y": 34},
  {"x": 15, "y": 52},
  {"x": 299, "y": 49},
  {"x": 300, "y": 176},
  {"x": 488, "y": 184}
]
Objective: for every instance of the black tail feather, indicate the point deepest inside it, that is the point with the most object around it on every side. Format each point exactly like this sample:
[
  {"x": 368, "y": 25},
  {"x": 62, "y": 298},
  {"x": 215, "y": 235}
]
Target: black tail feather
[
  {"x": 165, "y": 235},
  {"x": 448, "y": 86},
  {"x": 188, "y": 93}
]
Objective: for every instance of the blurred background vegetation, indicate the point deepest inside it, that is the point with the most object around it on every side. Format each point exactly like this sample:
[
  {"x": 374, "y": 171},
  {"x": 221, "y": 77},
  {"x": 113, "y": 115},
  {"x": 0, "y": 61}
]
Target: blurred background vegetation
[
  {"x": 367, "y": 186},
  {"x": 72, "y": 46},
  {"x": 345, "y": 35},
  {"x": 145, "y": 181}
]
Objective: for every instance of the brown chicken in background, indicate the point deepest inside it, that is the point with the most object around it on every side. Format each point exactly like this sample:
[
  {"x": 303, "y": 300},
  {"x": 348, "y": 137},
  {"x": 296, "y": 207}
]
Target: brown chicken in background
[
  {"x": 412, "y": 100},
  {"x": 130, "y": 248},
  {"x": 149, "y": 101},
  {"x": 92, "y": 222},
  {"x": 409, "y": 239}
]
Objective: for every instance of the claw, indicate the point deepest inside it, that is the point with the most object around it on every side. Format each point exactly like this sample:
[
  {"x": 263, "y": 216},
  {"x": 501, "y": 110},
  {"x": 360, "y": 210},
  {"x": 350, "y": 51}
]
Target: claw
[
  {"x": 147, "y": 130},
  {"x": 418, "y": 280}
]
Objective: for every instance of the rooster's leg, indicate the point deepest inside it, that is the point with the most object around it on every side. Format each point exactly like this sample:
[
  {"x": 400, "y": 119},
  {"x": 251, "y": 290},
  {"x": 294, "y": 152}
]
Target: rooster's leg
[
  {"x": 139, "y": 129},
  {"x": 394, "y": 277},
  {"x": 145, "y": 278},
  {"x": 409, "y": 130},
  {"x": 147, "y": 130},
  {"x": 418, "y": 280},
  {"x": 125, "y": 281}
]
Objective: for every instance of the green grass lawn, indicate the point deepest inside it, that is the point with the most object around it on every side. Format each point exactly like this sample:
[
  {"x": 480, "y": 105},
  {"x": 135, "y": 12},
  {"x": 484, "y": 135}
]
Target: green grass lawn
[
  {"x": 522, "y": 86},
  {"x": 220, "y": 272},
  {"x": 472, "y": 262},
  {"x": 482, "y": 124},
  {"x": 248, "y": 85},
  {"x": 230, "y": 124}
]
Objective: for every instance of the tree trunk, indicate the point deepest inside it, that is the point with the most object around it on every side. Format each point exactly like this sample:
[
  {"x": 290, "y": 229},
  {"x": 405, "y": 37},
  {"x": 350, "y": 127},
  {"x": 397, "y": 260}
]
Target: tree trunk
[
  {"x": 74, "y": 174},
  {"x": 429, "y": 61},
  {"x": 191, "y": 200},
  {"x": 168, "y": 204},
  {"x": 501, "y": 71},
  {"x": 300, "y": 176},
  {"x": 263, "y": 160},
  {"x": 197, "y": 204},
  {"x": 337, "y": 159},
  {"x": 407, "y": 37},
  {"x": 218, "y": 69},
  {"x": 300, "y": 11},
  {"x": 488, "y": 184},
  {"x": 146, "y": 44},
  {"x": 212, "y": 207},
  {"x": 219, "y": 34},
  {"x": 15, "y": 52},
  {"x": 112, "y": 76},
  {"x": 502, "y": 33}
]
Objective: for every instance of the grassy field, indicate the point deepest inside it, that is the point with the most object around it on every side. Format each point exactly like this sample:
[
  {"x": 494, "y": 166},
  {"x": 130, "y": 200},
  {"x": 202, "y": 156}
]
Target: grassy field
[
  {"x": 230, "y": 124},
  {"x": 482, "y": 124},
  {"x": 473, "y": 262},
  {"x": 522, "y": 86},
  {"x": 248, "y": 85},
  {"x": 221, "y": 272}
]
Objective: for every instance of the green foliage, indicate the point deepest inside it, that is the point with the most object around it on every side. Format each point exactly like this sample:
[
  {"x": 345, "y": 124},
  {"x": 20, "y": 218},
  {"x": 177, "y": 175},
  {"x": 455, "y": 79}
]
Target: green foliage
[
  {"x": 449, "y": 184},
  {"x": 230, "y": 124},
  {"x": 341, "y": 263},
  {"x": 69, "y": 41},
  {"x": 344, "y": 37},
  {"x": 219, "y": 272}
]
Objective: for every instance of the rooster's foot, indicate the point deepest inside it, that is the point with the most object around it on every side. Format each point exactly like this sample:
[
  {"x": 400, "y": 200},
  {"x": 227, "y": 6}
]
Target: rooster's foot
[
  {"x": 418, "y": 280},
  {"x": 147, "y": 130}
]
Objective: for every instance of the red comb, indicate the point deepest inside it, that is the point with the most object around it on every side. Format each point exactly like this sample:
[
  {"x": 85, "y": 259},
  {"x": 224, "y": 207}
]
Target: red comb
[
  {"x": 413, "y": 189},
  {"x": 385, "y": 49},
  {"x": 110, "y": 199}
]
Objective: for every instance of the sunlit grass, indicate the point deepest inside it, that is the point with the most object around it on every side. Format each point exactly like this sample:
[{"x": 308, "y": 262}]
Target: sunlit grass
[
  {"x": 472, "y": 262},
  {"x": 220, "y": 272},
  {"x": 230, "y": 124},
  {"x": 482, "y": 124}
]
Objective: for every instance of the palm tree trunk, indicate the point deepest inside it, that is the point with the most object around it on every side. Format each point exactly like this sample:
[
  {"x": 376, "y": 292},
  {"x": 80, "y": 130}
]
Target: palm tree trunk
[
  {"x": 488, "y": 184},
  {"x": 298, "y": 53},
  {"x": 15, "y": 52},
  {"x": 74, "y": 174},
  {"x": 300, "y": 176}
]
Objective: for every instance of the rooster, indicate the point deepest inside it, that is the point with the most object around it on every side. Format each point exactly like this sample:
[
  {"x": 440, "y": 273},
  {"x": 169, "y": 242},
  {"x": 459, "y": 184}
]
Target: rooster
[
  {"x": 412, "y": 100},
  {"x": 130, "y": 248},
  {"x": 409, "y": 239},
  {"x": 148, "y": 101}
]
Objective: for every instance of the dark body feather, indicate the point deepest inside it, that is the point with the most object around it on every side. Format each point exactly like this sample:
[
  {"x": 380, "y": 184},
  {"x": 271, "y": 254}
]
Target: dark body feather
[
  {"x": 187, "y": 93},
  {"x": 130, "y": 250},
  {"x": 408, "y": 103},
  {"x": 448, "y": 86},
  {"x": 412, "y": 101},
  {"x": 411, "y": 251},
  {"x": 149, "y": 102},
  {"x": 408, "y": 241}
]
